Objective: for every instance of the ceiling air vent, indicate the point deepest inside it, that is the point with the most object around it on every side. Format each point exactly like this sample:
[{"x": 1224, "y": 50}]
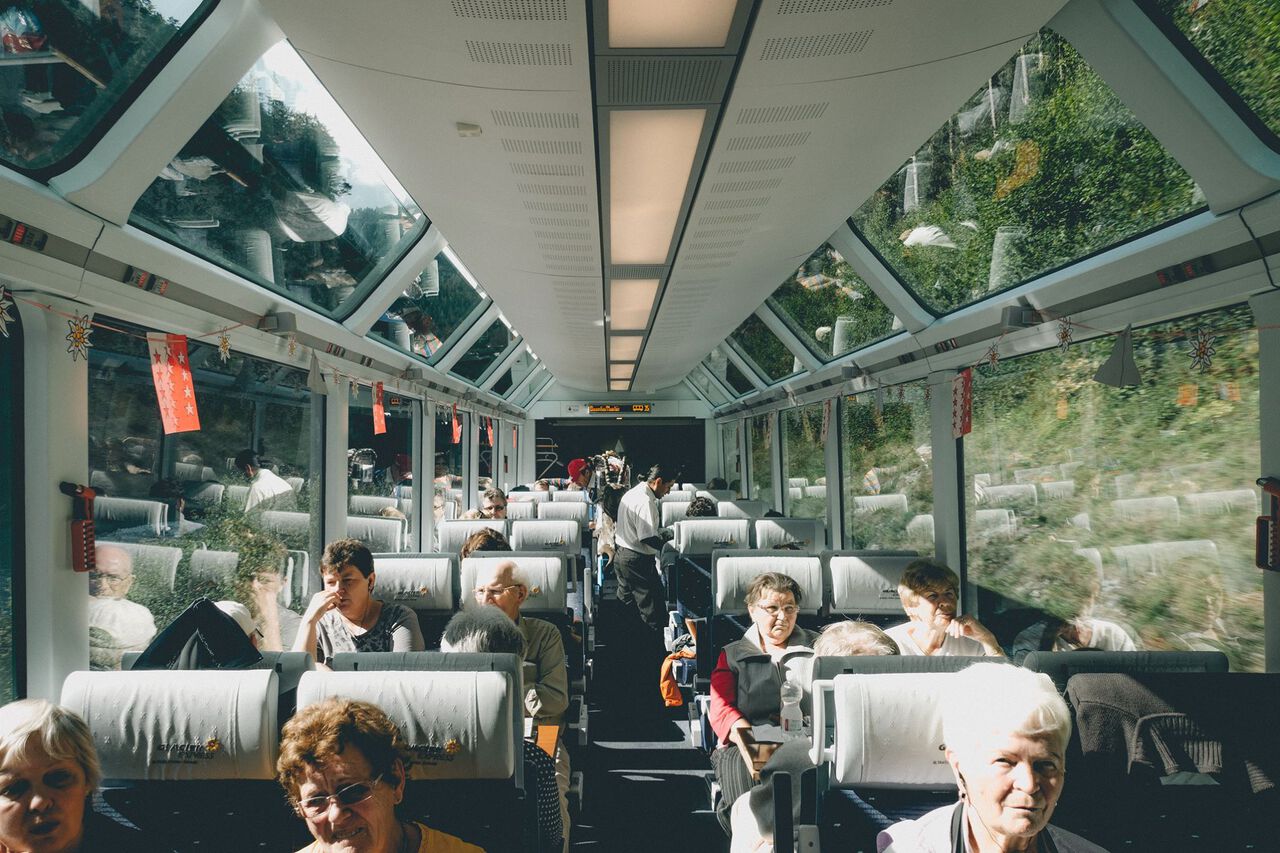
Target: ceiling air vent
[
  {"x": 511, "y": 10},
  {"x": 519, "y": 53},
  {"x": 736, "y": 203},
  {"x": 814, "y": 47},
  {"x": 557, "y": 206},
  {"x": 664, "y": 79},
  {"x": 542, "y": 146},
  {"x": 552, "y": 189},
  {"x": 548, "y": 170},
  {"x": 565, "y": 235},
  {"x": 737, "y": 167},
  {"x": 716, "y": 246},
  {"x": 745, "y": 186},
  {"x": 763, "y": 143},
  {"x": 558, "y": 222},
  {"x": 773, "y": 115},
  {"x": 728, "y": 219},
  {"x": 808, "y": 7},
  {"x": 537, "y": 121}
]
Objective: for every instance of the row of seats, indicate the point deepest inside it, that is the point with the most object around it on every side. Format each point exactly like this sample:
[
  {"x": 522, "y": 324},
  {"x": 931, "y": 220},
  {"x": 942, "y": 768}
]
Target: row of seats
[
  {"x": 159, "y": 564},
  {"x": 562, "y": 536},
  {"x": 174, "y": 743}
]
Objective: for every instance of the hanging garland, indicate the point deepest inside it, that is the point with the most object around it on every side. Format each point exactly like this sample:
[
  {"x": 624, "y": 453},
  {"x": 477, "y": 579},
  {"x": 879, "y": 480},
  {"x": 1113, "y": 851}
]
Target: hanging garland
[
  {"x": 1064, "y": 334},
  {"x": 1201, "y": 348},
  {"x": 79, "y": 328},
  {"x": 6, "y": 302},
  {"x": 224, "y": 346}
]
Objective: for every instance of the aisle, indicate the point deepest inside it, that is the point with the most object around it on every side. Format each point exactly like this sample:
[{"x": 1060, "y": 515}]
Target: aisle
[{"x": 645, "y": 785}]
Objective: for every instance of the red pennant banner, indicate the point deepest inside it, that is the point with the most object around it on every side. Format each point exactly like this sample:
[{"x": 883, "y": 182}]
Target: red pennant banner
[
  {"x": 457, "y": 426},
  {"x": 514, "y": 432},
  {"x": 488, "y": 428},
  {"x": 962, "y": 403},
  {"x": 379, "y": 411},
  {"x": 171, "y": 375}
]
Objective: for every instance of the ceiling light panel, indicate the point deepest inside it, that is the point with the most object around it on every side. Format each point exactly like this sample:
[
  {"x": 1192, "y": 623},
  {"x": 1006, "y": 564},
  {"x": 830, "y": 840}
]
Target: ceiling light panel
[
  {"x": 651, "y": 154},
  {"x": 622, "y": 371},
  {"x": 630, "y": 303},
  {"x": 618, "y": 384},
  {"x": 624, "y": 347},
  {"x": 670, "y": 23}
]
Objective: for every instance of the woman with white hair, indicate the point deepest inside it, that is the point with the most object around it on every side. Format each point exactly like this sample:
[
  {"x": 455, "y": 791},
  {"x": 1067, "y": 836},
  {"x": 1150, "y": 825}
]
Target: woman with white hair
[
  {"x": 1006, "y": 731},
  {"x": 48, "y": 771}
]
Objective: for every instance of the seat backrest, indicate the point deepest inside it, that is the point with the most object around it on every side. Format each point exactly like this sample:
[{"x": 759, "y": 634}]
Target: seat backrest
[
  {"x": 717, "y": 495},
  {"x": 887, "y": 732},
  {"x": 1057, "y": 490},
  {"x": 237, "y": 496},
  {"x": 522, "y": 510},
  {"x": 115, "y": 513},
  {"x": 385, "y": 535},
  {"x": 370, "y": 504},
  {"x": 866, "y": 583},
  {"x": 214, "y": 565},
  {"x": 673, "y": 512},
  {"x": 160, "y": 562},
  {"x": 676, "y": 497},
  {"x": 733, "y": 571},
  {"x": 863, "y": 504},
  {"x": 546, "y": 574},
  {"x": 295, "y": 483},
  {"x": 559, "y": 535},
  {"x": 528, "y": 497},
  {"x": 564, "y": 511},
  {"x": 702, "y": 536},
  {"x": 566, "y": 496},
  {"x": 1223, "y": 503},
  {"x": 421, "y": 582},
  {"x": 1021, "y": 493},
  {"x": 741, "y": 509},
  {"x": 454, "y": 533},
  {"x": 1060, "y": 666},
  {"x": 286, "y": 522},
  {"x": 204, "y": 494},
  {"x": 1162, "y": 508},
  {"x": 818, "y": 491},
  {"x": 809, "y": 533},
  {"x": 179, "y": 725},
  {"x": 457, "y": 725},
  {"x": 797, "y": 482}
]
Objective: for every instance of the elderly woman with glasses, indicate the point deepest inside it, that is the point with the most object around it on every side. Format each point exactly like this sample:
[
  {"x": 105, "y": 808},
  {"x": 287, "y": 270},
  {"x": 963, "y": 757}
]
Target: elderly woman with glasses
[
  {"x": 501, "y": 584},
  {"x": 345, "y": 617},
  {"x": 1006, "y": 731},
  {"x": 747, "y": 682},
  {"x": 48, "y": 772},
  {"x": 343, "y": 766}
]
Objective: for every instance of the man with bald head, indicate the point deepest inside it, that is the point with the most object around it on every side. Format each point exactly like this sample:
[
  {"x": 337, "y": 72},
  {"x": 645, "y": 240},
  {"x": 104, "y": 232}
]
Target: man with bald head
[
  {"x": 545, "y": 678},
  {"x": 116, "y": 625}
]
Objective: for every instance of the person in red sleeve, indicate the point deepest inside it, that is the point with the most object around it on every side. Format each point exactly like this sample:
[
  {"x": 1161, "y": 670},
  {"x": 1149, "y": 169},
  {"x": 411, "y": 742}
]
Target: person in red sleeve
[{"x": 747, "y": 683}]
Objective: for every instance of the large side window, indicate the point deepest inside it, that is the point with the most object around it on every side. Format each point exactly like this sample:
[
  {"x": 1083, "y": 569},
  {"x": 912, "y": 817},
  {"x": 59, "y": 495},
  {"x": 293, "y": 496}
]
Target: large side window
[
  {"x": 888, "y": 469},
  {"x": 380, "y": 473},
  {"x": 67, "y": 67},
  {"x": 447, "y": 500},
  {"x": 732, "y": 455},
  {"x": 804, "y": 461},
  {"x": 761, "y": 459},
  {"x": 11, "y": 519},
  {"x": 230, "y": 511},
  {"x": 1115, "y": 515}
]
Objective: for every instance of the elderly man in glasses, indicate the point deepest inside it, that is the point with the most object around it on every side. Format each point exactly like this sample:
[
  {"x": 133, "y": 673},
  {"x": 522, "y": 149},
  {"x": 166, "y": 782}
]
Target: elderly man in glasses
[{"x": 545, "y": 677}]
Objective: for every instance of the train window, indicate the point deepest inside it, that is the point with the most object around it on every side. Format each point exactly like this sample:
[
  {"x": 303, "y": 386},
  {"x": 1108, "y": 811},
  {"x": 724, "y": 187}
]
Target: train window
[
  {"x": 804, "y": 461},
  {"x": 522, "y": 397},
  {"x": 447, "y": 502},
  {"x": 888, "y": 469},
  {"x": 12, "y": 624},
  {"x": 770, "y": 356},
  {"x": 1240, "y": 39},
  {"x": 761, "y": 459},
  {"x": 709, "y": 388},
  {"x": 279, "y": 186},
  {"x": 485, "y": 352},
  {"x": 524, "y": 364},
  {"x": 830, "y": 308},
  {"x": 177, "y": 517},
  {"x": 728, "y": 373},
  {"x": 1134, "y": 506},
  {"x": 487, "y": 434},
  {"x": 380, "y": 472},
  {"x": 732, "y": 461},
  {"x": 67, "y": 69},
  {"x": 441, "y": 303},
  {"x": 1042, "y": 166}
]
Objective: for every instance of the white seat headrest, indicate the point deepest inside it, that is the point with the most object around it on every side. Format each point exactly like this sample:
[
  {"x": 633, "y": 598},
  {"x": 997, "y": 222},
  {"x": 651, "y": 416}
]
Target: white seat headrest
[
  {"x": 158, "y": 561},
  {"x": 673, "y": 512},
  {"x": 563, "y": 510},
  {"x": 531, "y": 496},
  {"x": 457, "y": 725},
  {"x": 566, "y": 496},
  {"x": 867, "y": 584},
  {"x": 418, "y": 581},
  {"x": 179, "y": 724},
  {"x": 455, "y": 532},
  {"x": 522, "y": 510},
  {"x": 732, "y": 574},
  {"x": 561, "y": 536},
  {"x": 741, "y": 509},
  {"x": 888, "y": 731},
  {"x": 809, "y": 533},
  {"x": 705, "y": 535},
  {"x": 545, "y": 574}
]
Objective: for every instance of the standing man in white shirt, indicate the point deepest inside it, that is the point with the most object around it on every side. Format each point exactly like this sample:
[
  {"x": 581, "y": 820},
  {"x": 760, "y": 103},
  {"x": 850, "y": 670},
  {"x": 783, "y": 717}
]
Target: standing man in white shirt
[
  {"x": 637, "y": 541},
  {"x": 266, "y": 489}
]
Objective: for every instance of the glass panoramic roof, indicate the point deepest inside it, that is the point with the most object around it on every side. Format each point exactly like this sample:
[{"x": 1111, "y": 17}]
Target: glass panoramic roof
[
  {"x": 1240, "y": 39},
  {"x": 830, "y": 308},
  {"x": 770, "y": 356},
  {"x": 440, "y": 304},
  {"x": 534, "y": 387},
  {"x": 710, "y": 389},
  {"x": 68, "y": 67},
  {"x": 280, "y": 187},
  {"x": 728, "y": 373},
  {"x": 1042, "y": 166},
  {"x": 484, "y": 353},
  {"x": 524, "y": 364}
]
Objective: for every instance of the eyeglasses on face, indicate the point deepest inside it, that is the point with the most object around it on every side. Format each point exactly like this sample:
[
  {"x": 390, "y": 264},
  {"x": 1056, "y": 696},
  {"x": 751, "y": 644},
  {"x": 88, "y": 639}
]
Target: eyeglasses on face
[
  {"x": 483, "y": 592},
  {"x": 345, "y": 797},
  {"x": 773, "y": 610}
]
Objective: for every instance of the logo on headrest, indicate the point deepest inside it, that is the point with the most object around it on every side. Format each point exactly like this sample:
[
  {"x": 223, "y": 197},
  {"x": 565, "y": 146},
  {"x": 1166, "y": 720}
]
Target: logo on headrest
[
  {"x": 729, "y": 541},
  {"x": 186, "y": 753},
  {"x": 212, "y": 745},
  {"x": 452, "y": 747},
  {"x": 536, "y": 590},
  {"x": 430, "y": 753}
]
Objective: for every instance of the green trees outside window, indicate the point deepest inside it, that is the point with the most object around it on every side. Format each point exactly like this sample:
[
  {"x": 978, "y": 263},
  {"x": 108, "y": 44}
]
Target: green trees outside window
[{"x": 829, "y": 307}]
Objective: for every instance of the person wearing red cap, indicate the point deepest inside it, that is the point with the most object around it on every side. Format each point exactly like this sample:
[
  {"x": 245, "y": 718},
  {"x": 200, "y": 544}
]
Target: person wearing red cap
[{"x": 579, "y": 474}]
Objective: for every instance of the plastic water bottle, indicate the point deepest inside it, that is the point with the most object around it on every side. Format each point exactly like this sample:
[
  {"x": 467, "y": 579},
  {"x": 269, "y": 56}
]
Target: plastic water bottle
[{"x": 791, "y": 718}]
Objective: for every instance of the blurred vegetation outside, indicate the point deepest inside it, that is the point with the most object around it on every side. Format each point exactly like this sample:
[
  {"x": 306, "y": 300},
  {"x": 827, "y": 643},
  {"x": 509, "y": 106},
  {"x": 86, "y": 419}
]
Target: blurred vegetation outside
[
  {"x": 761, "y": 447},
  {"x": 804, "y": 458}
]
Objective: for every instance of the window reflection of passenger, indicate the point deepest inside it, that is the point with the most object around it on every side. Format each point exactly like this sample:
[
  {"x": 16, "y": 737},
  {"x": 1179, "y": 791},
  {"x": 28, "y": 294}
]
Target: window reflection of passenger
[
  {"x": 116, "y": 625},
  {"x": 266, "y": 490},
  {"x": 1069, "y": 635}
]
